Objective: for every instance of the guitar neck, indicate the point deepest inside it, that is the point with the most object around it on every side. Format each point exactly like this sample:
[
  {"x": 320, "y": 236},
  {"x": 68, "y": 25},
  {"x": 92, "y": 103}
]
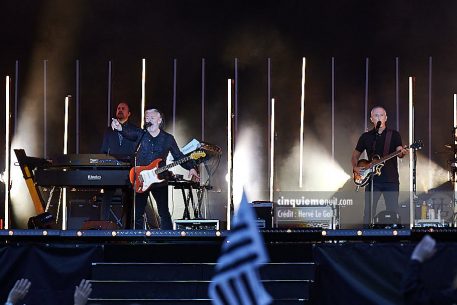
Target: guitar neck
[
  {"x": 388, "y": 157},
  {"x": 166, "y": 167}
]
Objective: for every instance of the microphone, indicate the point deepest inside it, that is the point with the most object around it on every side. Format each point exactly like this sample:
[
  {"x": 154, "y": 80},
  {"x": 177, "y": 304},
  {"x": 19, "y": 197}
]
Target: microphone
[
  {"x": 147, "y": 125},
  {"x": 378, "y": 125}
]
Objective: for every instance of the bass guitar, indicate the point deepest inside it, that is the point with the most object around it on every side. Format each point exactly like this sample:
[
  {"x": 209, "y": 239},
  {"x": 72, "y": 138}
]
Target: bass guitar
[
  {"x": 374, "y": 167},
  {"x": 143, "y": 177}
]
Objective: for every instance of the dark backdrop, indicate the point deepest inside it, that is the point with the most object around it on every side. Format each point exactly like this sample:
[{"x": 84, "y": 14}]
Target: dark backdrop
[{"x": 95, "y": 32}]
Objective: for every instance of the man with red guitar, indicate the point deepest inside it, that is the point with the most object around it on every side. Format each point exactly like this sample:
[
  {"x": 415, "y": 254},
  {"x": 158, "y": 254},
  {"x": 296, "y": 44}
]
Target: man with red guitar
[
  {"x": 379, "y": 142},
  {"x": 154, "y": 144}
]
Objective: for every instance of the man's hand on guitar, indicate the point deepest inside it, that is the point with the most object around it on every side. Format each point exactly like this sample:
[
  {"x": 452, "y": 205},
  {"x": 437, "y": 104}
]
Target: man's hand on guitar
[
  {"x": 357, "y": 169},
  {"x": 193, "y": 175},
  {"x": 403, "y": 151}
]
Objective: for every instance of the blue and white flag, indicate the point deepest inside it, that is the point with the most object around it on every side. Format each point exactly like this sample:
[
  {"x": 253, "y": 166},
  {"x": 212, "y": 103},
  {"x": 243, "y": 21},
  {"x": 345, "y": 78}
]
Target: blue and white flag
[{"x": 236, "y": 280}]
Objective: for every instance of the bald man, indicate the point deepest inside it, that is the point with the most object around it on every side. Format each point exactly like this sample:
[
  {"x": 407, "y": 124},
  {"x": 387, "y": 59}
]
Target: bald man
[{"x": 380, "y": 141}]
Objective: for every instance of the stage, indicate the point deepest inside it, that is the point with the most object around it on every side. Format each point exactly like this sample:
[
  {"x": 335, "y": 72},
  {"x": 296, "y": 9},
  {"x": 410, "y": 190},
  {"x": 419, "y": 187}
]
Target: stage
[{"x": 307, "y": 266}]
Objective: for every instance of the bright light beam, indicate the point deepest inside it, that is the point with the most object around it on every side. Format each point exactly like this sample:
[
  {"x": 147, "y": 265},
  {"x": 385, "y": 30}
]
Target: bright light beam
[
  {"x": 423, "y": 185},
  {"x": 7, "y": 151},
  {"x": 302, "y": 120}
]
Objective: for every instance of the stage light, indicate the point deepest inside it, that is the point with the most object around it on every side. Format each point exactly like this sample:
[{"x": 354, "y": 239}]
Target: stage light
[
  {"x": 272, "y": 147},
  {"x": 148, "y": 233},
  {"x": 394, "y": 232},
  {"x": 6, "y": 177},
  {"x": 113, "y": 233},
  {"x": 359, "y": 233},
  {"x": 410, "y": 140},
  {"x": 229, "y": 153},
  {"x": 183, "y": 233},
  {"x": 65, "y": 151},
  {"x": 455, "y": 142},
  {"x": 79, "y": 233},
  {"x": 302, "y": 122},
  {"x": 324, "y": 233},
  {"x": 143, "y": 89},
  {"x": 218, "y": 233}
]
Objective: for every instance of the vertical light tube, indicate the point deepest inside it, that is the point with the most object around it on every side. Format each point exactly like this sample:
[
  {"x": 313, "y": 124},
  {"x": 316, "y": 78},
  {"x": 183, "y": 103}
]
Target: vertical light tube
[
  {"x": 77, "y": 106},
  {"x": 455, "y": 111},
  {"x": 6, "y": 178},
  {"x": 302, "y": 121},
  {"x": 65, "y": 132},
  {"x": 108, "y": 102},
  {"x": 203, "y": 100},
  {"x": 235, "y": 133},
  {"x": 143, "y": 90},
  {"x": 367, "y": 62},
  {"x": 45, "y": 108},
  {"x": 410, "y": 140},
  {"x": 269, "y": 110},
  {"x": 397, "y": 91},
  {"x": 175, "y": 70},
  {"x": 175, "y": 67},
  {"x": 229, "y": 153},
  {"x": 272, "y": 148},
  {"x": 333, "y": 108},
  {"x": 202, "y": 165},
  {"x": 455, "y": 155},
  {"x": 16, "y": 96},
  {"x": 430, "y": 122},
  {"x": 65, "y": 151}
]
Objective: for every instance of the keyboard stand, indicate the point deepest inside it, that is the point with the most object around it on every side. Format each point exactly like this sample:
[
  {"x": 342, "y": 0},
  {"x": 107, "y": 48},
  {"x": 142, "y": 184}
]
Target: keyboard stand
[{"x": 188, "y": 198}]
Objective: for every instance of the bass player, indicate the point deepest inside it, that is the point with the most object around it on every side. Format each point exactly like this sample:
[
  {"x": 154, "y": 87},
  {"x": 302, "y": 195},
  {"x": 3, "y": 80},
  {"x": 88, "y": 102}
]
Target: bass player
[
  {"x": 378, "y": 142},
  {"x": 154, "y": 144}
]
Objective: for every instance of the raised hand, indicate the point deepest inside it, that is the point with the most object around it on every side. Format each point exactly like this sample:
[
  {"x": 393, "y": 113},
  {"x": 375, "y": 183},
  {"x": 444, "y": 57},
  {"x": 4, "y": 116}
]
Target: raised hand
[
  {"x": 424, "y": 249},
  {"x": 82, "y": 292},
  {"x": 19, "y": 291},
  {"x": 115, "y": 125}
]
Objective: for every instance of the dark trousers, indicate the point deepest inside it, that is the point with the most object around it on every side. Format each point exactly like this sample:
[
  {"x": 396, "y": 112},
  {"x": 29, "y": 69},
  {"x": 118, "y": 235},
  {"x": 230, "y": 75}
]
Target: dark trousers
[
  {"x": 160, "y": 195},
  {"x": 390, "y": 191}
]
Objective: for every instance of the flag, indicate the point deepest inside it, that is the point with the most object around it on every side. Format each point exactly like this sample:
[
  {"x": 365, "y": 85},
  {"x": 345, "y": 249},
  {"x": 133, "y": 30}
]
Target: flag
[{"x": 236, "y": 280}]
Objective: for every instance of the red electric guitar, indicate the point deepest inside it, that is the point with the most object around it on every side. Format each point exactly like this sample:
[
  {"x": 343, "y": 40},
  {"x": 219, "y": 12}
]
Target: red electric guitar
[{"x": 143, "y": 177}]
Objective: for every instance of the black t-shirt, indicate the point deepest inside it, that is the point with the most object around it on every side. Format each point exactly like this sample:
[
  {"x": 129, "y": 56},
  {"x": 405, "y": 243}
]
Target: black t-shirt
[{"x": 389, "y": 173}]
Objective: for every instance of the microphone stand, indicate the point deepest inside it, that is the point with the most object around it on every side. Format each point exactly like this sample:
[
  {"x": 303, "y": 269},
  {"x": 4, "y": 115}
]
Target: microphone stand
[
  {"x": 370, "y": 207},
  {"x": 135, "y": 155}
]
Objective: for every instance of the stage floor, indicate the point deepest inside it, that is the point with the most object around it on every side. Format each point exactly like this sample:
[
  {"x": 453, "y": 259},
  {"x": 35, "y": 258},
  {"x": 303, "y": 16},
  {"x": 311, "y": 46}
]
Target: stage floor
[{"x": 217, "y": 236}]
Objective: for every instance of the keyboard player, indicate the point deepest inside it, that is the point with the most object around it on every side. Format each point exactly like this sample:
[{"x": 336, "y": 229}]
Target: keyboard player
[{"x": 115, "y": 144}]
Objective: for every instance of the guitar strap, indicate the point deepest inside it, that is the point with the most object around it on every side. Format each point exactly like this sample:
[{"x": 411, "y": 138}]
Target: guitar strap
[{"x": 387, "y": 142}]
